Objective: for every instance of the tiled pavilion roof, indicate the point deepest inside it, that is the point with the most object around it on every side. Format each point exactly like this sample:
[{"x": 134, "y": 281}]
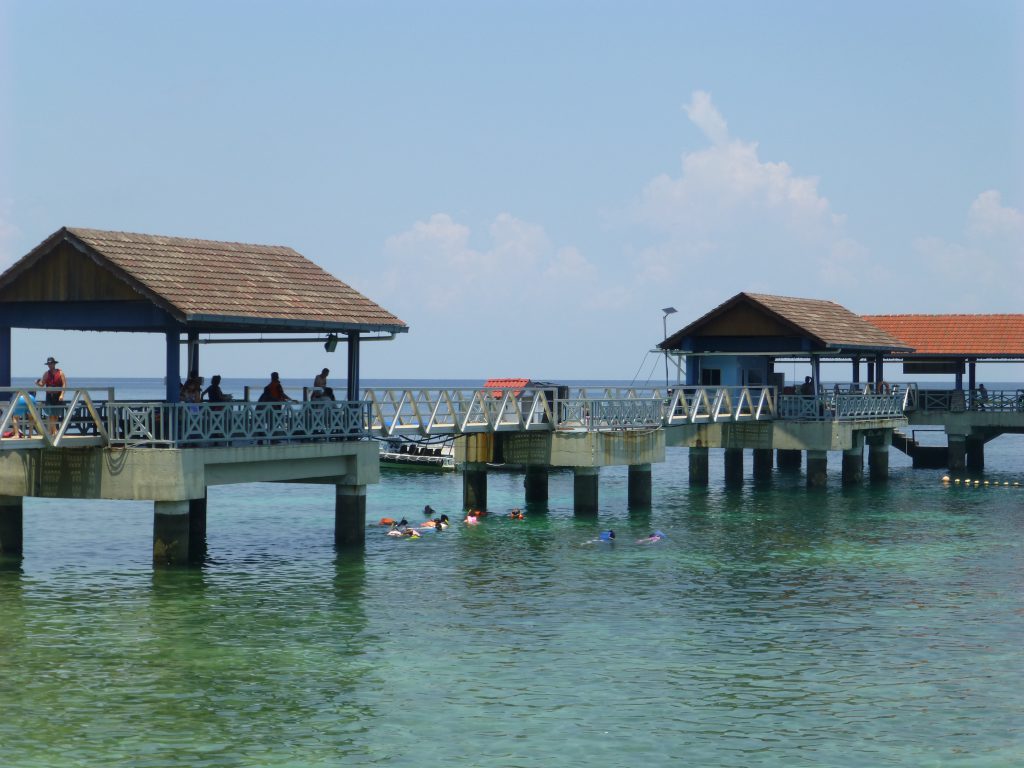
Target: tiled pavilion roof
[
  {"x": 830, "y": 325},
  {"x": 222, "y": 283},
  {"x": 981, "y": 336}
]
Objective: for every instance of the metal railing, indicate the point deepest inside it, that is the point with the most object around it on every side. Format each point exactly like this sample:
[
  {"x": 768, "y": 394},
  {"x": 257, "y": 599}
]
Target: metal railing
[
  {"x": 961, "y": 400},
  {"x": 428, "y": 412},
  {"x": 847, "y": 403},
  {"x": 76, "y": 419},
  {"x": 232, "y": 423},
  {"x": 698, "y": 405},
  {"x": 81, "y": 420}
]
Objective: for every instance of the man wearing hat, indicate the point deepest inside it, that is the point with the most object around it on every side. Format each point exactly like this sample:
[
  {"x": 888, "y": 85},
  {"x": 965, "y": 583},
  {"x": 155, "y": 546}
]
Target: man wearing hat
[{"x": 53, "y": 379}]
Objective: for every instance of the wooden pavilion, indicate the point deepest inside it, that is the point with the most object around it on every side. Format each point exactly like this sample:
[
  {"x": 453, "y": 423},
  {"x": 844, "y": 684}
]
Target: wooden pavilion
[
  {"x": 94, "y": 280},
  {"x": 169, "y": 452},
  {"x": 738, "y": 342}
]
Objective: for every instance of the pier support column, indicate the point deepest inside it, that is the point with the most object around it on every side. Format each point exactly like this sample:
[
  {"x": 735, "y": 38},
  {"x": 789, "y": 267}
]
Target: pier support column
[
  {"x": 698, "y": 466},
  {"x": 349, "y": 515},
  {"x": 639, "y": 494},
  {"x": 170, "y": 532},
  {"x": 762, "y": 465},
  {"x": 878, "y": 458},
  {"x": 474, "y": 486},
  {"x": 11, "y": 525},
  {"x": 789, "y": 460},
  {"x": 733, "y": 467},
  {"x": 584, "y": 490},
  {"x": 975, "y": 448},
  {"x": 536, "y": 484},
  {"x": 817, "y": 469},
  {"x": 197, "y": 530},
  {"x": 957, "y": 452},
  {"x": 853, "y": 462}
]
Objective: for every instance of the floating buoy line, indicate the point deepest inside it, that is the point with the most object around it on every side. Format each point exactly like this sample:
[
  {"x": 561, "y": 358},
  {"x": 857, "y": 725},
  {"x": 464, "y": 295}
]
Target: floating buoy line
[{"x": 968, "y": 483}]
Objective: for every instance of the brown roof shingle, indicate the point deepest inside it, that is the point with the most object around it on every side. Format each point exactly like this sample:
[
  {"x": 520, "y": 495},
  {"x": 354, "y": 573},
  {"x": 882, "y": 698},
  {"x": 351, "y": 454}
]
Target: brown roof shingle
[
  {"x": 831, "y": 325},
  {"x": 207, "y": 281},
  {"x": 984, "y": 336}
]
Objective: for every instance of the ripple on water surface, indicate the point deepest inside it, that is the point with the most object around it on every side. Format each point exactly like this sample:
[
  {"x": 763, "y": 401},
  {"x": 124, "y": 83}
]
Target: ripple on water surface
[{"x": 773, "y": 627}]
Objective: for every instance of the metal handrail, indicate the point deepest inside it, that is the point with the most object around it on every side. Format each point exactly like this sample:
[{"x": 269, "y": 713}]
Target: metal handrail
[
  {"x": 233, "y": 422},
  {"x": 427, "y": 412},
  {"x": 960, "y": 400},
  {"x": 76, "y": 419}
]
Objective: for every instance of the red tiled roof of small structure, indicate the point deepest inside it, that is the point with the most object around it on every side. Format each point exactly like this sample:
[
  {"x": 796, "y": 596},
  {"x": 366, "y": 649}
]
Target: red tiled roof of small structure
[
  {"x": 499, "y": 385},
  {"x": 985, "y": 336},
  {"x": 213, "y": 281}
]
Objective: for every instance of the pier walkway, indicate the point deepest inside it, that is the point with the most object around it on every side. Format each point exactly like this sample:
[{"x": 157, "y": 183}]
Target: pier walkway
[{"x": 94, "y": 445}]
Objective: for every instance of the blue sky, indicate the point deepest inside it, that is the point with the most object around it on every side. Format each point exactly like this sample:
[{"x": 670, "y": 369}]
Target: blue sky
[{"x": 526, "y": 184}]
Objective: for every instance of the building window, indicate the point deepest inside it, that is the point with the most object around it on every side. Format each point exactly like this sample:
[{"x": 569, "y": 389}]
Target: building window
[{"x": 711, "y": 377}]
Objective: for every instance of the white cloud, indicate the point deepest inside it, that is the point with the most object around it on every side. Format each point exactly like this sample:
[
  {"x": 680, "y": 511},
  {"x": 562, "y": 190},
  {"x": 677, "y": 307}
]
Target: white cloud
[
  {"x": 438, "y": 261},
  {"x": 988, "y": 217},
  {"x": 706, "y": 116},
  {"x": 983, "y": 273},
  {"x": 751, "y": 220}
]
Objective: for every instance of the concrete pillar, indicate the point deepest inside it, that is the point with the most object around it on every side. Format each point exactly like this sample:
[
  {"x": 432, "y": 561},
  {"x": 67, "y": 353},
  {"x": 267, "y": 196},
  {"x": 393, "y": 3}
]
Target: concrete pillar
[
  {"x": 957, "y": 452},
  {"x": 791, "y": 460},
  {"x": 817, "y": 466},
  {"x": 11, "y": 525},
  {"x": 536, "y": 484},
  {"x": 763, "y": 465},
  {"x": 733, "y": 466},
  {"x": 698, "y": 466},
  {"x": 170, "y": 532},
  {"x": 197, "y": 530},
  {"x": 975, "y": 448},
  {"x": 878, "y": 459},
  {"x": 853, "y": 464},
  {"x": 584, "y": 490},
  {"x": 639, "y": 494},
  {"x": 474, "y": 486},
  {"x": 349, "y": 515}
]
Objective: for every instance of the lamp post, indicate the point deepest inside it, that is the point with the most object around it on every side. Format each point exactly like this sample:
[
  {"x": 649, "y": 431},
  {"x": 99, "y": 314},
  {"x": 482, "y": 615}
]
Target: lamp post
[{"x": 664, "y": 326}]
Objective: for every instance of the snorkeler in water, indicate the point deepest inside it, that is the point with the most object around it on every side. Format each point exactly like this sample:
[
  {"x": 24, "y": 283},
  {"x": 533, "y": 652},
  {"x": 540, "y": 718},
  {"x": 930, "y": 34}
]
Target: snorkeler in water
[
  {"x": 605, "y": 537},
  {"x": 652, "y": 538}
]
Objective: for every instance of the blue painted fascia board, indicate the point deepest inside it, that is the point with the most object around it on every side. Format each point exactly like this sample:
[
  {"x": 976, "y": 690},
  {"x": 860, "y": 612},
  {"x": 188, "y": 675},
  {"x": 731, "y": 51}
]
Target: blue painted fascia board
[
  {"x": 234, "y": 323},
  {"x": 87, "y": 316}
]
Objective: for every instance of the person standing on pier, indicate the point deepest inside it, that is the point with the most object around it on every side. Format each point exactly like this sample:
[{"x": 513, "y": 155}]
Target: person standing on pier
[
  {"x": 320, "y": 389},
  {"x": 274, "y": 392},
  {"x": 53, "y": 378}
]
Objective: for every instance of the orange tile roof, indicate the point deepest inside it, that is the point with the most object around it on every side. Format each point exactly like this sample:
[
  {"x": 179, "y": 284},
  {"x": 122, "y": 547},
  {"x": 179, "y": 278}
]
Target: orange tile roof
[
  {"x": 499, "y": 385},
  {"x": 983, "y": 336}
]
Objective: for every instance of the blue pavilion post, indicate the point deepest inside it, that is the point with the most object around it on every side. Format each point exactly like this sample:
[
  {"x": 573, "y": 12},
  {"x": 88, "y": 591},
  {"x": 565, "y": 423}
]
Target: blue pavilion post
[
  {"x": 5, "y": 356},
  {"x": 173, "y": 368},
  {"x": 352, "y": 394}
]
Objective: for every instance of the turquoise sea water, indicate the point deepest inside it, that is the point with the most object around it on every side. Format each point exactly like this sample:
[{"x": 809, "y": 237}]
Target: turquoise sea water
[{"x": 774, "y": 627}]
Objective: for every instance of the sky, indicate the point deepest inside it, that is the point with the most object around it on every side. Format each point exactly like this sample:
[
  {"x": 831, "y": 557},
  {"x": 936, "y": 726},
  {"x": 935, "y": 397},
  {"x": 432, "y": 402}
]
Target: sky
[{"x": 526, "y": 184}]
